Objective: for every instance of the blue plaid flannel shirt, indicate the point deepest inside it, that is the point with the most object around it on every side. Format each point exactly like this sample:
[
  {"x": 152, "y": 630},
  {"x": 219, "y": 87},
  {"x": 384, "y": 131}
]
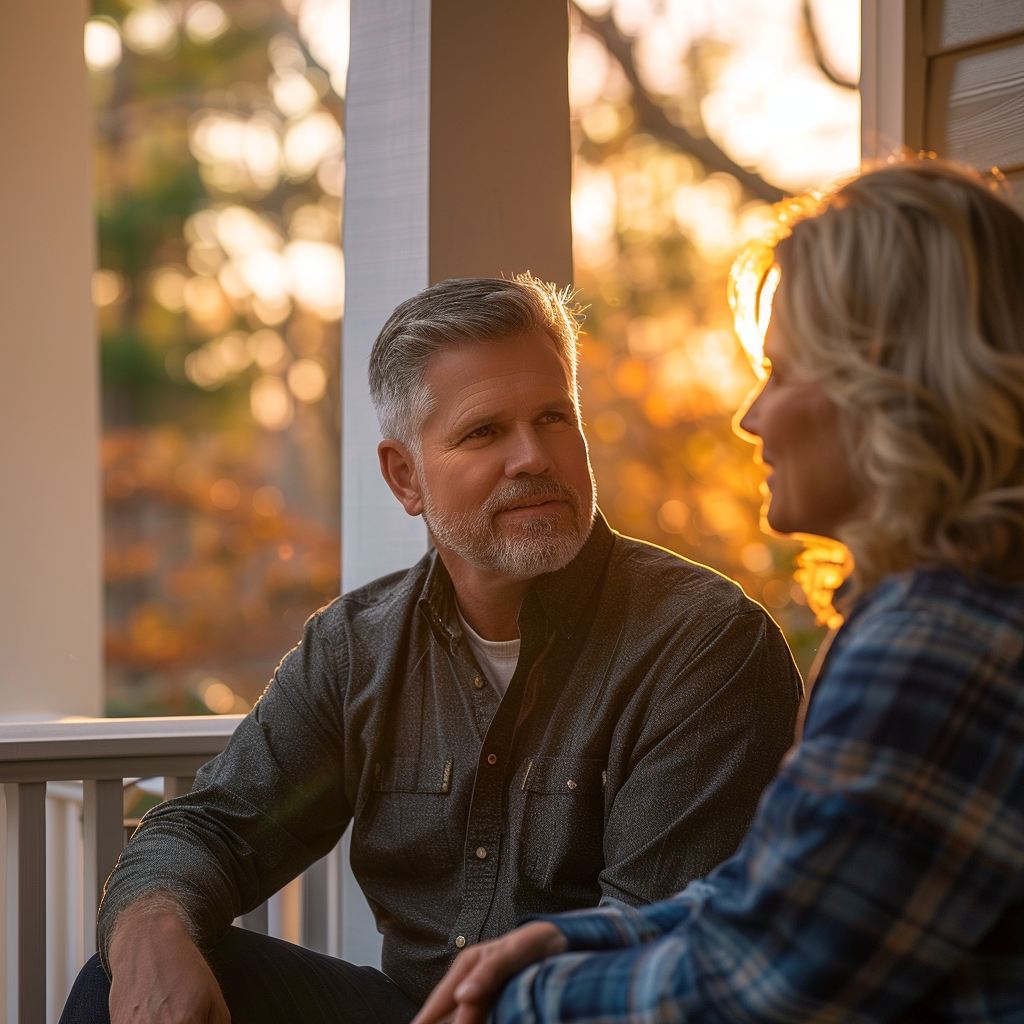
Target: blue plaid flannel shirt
[{"x": 883, "y": 876}]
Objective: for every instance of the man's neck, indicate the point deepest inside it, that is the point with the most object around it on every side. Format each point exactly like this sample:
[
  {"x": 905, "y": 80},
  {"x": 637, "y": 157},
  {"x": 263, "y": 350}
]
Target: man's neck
[{"x": 489, "y": 602}]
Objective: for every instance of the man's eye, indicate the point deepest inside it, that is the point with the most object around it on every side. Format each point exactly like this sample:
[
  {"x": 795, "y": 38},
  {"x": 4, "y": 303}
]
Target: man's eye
[
  {"x": 553, "y": 417},
  {"x": 479, "y": 432}
]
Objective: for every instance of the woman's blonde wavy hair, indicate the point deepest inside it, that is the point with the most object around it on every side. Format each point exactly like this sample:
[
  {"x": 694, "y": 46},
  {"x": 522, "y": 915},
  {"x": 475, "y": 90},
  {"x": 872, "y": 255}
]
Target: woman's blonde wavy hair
[{"x": 904, "y": 298}]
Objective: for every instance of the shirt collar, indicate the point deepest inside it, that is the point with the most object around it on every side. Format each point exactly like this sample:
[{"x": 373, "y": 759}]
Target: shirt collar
[{"x": 563, "y": 594}]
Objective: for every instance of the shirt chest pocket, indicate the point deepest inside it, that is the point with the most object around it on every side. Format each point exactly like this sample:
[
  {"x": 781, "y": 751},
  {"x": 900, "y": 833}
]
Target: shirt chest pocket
[
  {"x": 413, "y": 775},
  {"x": 408, "y": 825},
  {"x": 562, "y": 838}
]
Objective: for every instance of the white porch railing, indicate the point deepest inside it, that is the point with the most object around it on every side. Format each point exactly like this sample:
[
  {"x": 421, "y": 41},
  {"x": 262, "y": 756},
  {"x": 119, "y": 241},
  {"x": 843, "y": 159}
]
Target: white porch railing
[{"x": 64, "y": 837}]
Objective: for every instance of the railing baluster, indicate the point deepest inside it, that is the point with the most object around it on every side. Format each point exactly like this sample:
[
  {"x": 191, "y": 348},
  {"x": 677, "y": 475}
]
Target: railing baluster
[
  {"x": 314, "y": 906},
  {"x": 177, "y": 785},
  {"x": 26, "y": 893},
  {"x": 107, "y": 750},
  {"x": 257, "y": 919},
  {"x": 103, "y": 813}
]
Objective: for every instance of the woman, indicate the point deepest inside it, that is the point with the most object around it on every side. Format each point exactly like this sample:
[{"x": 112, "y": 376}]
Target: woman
[{"x": 883, "y": 877}]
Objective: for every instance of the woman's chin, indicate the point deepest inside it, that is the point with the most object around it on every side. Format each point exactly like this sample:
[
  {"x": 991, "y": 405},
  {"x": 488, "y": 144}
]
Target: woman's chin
[{"x": 776, "y": 520}]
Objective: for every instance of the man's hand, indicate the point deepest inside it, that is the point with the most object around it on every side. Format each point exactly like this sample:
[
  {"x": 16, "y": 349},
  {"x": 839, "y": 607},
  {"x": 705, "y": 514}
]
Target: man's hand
[
  {"x": 480, "y": 972},
  {"x": 159, "y": 976}
]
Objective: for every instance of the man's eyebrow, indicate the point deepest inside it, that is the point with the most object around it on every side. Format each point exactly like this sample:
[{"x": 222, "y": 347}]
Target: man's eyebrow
[{"x": 470, "y": 422}]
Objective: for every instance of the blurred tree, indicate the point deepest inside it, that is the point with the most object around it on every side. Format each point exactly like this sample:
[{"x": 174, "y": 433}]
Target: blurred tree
[
  {"x": 219, "y": 169},
  {"x": 664, "y": 198}
]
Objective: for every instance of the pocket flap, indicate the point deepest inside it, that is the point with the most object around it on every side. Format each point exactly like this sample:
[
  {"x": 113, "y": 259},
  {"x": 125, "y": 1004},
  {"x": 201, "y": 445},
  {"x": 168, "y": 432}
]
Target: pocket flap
[
  {"x": 409, "y": 775},
  {"x": 569, "y": 775}
]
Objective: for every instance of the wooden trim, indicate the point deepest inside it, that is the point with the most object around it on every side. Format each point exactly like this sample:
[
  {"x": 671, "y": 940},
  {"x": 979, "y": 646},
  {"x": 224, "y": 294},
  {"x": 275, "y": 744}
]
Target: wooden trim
[
  {"x": 882, "y": 80},
  {"x": 915, "y": 76}
]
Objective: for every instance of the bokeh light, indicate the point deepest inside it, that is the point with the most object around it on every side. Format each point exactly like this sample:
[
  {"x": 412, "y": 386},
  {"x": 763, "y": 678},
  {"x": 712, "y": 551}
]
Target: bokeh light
[
  {"x": 102, "y": 45},
  {"x": 268, "y": 501},
  {"x": 107, "y": 287},
  {"x": 206, "y": 21},
  {"x": 150, "y": 29},
  {"x": 271, "y": 403},
  {"x": 217, "y": 696},
  {"x": 307, "y": 380}
]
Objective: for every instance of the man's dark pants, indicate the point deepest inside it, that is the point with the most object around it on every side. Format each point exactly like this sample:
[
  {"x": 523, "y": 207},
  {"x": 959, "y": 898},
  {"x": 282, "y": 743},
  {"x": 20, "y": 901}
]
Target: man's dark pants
[{"x": 268, "y": 981}]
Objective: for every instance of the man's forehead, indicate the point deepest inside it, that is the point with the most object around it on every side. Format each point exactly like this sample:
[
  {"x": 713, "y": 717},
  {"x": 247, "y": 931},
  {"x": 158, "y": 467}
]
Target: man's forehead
[
  {"x": 496, "y": 375},
  {"x": 504, "y": 362}
]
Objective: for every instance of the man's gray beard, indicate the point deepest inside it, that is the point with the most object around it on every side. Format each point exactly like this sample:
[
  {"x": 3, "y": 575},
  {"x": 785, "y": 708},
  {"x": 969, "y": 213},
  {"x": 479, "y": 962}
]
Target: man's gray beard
[{"x": 537, "y": 545}]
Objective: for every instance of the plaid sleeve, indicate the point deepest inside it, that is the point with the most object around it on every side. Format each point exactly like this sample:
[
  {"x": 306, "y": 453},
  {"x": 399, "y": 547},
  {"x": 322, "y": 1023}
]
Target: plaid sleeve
[
  {"x": 613, "y": 927},
  {"x": 887, "y": 847}
]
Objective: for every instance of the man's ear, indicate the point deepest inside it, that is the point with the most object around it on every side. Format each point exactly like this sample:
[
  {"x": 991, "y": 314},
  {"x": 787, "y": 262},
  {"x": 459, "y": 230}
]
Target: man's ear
[{"x": 398, "y": 468}]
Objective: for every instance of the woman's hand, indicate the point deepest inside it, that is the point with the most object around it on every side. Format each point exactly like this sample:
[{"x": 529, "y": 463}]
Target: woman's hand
[{"x": 465, "y": 994}]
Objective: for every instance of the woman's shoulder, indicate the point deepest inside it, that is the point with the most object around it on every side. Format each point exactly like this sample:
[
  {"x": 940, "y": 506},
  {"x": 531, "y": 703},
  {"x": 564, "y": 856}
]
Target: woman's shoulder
[
  {"x": 916, "y": 651},
  {"x": 939, "y": 609}
]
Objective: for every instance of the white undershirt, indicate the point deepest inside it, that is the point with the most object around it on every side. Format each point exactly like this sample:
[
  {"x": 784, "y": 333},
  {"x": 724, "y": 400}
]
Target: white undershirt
[{"x": 498, "y": 658}]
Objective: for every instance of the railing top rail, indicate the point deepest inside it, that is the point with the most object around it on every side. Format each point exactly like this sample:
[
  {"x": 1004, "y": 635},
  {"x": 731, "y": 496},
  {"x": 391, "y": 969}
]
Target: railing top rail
[{"x": 104, "y": 738}]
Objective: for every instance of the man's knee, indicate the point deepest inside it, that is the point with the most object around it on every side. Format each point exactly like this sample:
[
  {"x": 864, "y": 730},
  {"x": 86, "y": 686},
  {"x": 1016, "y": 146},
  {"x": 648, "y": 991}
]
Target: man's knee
[{"x": 89, "y": 999}]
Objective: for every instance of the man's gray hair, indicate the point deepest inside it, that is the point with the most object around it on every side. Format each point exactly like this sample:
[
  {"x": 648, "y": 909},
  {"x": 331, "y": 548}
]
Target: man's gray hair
[{"x": 452, "y": 313}]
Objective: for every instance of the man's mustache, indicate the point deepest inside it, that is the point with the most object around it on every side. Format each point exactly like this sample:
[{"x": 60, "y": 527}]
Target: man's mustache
[{"x": 517, "y": 492}]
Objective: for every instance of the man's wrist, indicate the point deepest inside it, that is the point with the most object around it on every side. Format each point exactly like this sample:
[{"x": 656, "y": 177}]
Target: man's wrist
[{"x": 151, "y": 917}]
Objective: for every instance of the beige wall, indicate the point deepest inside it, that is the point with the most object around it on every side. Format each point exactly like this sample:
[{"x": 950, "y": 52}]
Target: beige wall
[
  {"x": 50, "y": 611},
  {"x": 500, "y": 151}
]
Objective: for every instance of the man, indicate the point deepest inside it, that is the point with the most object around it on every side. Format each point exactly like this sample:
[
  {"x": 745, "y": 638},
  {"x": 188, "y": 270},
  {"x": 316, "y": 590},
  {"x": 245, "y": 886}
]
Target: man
[{"x": 538, "y": 716}]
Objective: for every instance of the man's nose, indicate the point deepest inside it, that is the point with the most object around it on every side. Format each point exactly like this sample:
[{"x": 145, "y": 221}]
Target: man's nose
[{"x": 527, "y": 454}]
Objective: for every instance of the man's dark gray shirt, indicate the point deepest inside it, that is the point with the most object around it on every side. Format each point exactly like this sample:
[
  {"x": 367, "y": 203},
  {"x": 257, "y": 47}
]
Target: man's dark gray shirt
[{"x": 651, "y": 704}]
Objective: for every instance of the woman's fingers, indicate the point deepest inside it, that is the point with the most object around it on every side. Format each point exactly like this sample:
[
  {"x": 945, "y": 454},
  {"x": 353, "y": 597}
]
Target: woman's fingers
[
  {"x": 506, "y": 956},
  {"x": 480, "y": 972},
  {"x": 471, "y": 1013}
]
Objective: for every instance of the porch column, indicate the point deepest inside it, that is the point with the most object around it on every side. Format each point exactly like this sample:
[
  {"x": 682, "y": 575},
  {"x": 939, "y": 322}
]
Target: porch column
[
  {"x": 50, "y": 613},
  {"x": 458, "y": 164}
]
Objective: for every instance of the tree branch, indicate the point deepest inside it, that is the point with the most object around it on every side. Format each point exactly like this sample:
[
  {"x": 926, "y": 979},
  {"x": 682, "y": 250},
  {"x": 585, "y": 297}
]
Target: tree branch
[
  {"x": 819, "y": 51},
  {"x": 652, "y": 118}
]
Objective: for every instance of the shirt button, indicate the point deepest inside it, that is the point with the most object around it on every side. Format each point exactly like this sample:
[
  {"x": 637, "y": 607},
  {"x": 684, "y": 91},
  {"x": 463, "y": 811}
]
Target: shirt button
[
  {"x": 570, "y": 783},
  {"x": 492, "y": 758},
  {"x": 479, "y": 682},
  {"x": 481, "y": 853},
  {"x": 460, "y": 941}
]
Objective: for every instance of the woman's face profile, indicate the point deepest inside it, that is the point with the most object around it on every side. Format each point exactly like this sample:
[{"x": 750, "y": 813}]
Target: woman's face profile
[{"x": 801, "y": 442}]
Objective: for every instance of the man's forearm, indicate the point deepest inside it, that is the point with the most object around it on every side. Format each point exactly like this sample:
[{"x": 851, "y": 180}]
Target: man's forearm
[{"x": 158, "y": 975}]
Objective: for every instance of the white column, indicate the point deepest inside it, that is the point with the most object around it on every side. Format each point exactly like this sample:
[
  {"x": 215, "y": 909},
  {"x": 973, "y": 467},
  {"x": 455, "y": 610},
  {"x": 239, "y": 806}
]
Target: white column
[
  {"x": 882, "y": 77},
  {"x": 385, "y": 243},
  {"x": 50, "y": 612},
  {"x": 458, "y": 164}
]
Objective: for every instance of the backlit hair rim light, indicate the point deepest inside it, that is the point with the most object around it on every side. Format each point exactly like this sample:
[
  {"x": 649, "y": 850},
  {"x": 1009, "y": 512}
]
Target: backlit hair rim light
[{"x": 905, "y": 300}]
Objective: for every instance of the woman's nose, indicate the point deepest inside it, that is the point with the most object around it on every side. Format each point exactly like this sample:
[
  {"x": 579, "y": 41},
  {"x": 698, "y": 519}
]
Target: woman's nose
[{"x": 749, "y": 421}]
